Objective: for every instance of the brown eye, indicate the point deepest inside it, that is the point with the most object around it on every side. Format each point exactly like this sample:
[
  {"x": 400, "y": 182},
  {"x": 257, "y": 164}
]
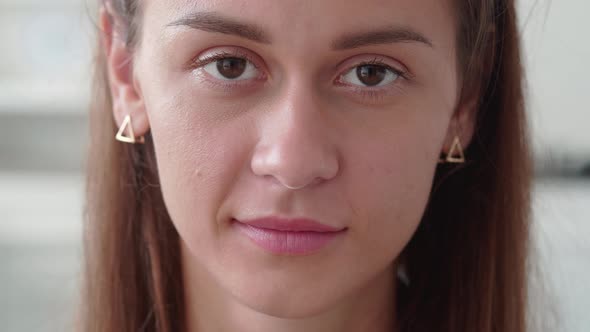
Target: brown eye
[
  {"x": 231, "y": 68},
  {"x": 371, "y": 75}
]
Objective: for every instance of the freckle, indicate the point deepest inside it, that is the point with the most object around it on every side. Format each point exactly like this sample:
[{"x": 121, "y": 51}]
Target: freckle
[{"x": 198, "y": 173}]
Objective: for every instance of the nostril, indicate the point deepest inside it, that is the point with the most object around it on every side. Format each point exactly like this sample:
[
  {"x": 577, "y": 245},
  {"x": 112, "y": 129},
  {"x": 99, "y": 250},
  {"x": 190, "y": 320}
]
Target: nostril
[{"x": 294, "y": 187}]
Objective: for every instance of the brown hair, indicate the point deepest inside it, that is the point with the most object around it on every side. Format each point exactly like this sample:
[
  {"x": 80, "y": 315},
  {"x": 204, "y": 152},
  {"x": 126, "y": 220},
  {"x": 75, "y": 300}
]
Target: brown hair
[{"x": 466, "y": 263}]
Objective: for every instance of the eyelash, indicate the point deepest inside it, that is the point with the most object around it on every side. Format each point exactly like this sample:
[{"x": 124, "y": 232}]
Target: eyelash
[
  {"x": 377, "y": 93},
  {"x": 198, "y": 63},
  {"x": 372, "y": 94}
]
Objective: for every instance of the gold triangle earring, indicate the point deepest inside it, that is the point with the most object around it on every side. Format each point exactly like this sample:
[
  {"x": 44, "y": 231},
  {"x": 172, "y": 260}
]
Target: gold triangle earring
[
  {"x": 455, "y": 155},
  {"x": 131, "y": 137}
]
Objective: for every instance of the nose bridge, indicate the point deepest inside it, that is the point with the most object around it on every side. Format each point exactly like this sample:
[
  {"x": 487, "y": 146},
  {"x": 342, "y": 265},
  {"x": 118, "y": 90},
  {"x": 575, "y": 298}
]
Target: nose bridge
[
  {"x": 299, "y": 114},
  {"x": 295, "y": 146}
]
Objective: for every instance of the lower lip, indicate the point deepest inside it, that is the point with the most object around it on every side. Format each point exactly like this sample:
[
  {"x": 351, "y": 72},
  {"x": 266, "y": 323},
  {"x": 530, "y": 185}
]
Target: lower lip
[{"x": 287, "y": 242}]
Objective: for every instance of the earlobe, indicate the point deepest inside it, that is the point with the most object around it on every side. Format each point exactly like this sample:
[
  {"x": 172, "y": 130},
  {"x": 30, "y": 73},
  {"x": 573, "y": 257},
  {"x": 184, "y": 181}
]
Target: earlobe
[
  {"x": 125, "y": 93},
  {"x": 462, "y": 124}
]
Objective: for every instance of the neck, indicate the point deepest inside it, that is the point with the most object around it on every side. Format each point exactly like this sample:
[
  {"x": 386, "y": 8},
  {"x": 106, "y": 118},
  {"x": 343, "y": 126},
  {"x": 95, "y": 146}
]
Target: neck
[{"x": 209, "y": 308}]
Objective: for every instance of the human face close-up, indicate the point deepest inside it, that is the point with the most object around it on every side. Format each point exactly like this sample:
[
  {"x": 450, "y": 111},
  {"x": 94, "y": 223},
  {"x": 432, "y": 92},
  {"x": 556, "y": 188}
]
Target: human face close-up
[{"x": 334, "y": 111}]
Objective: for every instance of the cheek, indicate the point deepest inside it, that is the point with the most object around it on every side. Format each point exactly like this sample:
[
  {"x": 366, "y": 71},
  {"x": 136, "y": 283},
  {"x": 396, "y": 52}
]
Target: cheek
[
  {"x": 389, "y": 185},
  {"x": 198, "y": 158}
]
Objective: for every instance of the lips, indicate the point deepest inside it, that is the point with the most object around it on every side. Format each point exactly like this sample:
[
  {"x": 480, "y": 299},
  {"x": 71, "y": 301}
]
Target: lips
[
  {"x": 288, "y": 236},
  {"x": 293, "y": 225}
]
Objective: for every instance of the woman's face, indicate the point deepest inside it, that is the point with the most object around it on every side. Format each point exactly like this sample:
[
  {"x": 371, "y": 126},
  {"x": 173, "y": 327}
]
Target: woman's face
[{"x": 329, "y": 110}]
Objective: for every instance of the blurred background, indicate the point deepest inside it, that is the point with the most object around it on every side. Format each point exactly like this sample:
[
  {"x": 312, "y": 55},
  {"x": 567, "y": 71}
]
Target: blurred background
[{"x": 44, "y": 84}]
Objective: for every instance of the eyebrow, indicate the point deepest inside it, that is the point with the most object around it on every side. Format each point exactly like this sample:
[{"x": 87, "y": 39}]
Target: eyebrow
[
  {"x": 388, "y": 35},
  {"x": 214, "y": 22}
]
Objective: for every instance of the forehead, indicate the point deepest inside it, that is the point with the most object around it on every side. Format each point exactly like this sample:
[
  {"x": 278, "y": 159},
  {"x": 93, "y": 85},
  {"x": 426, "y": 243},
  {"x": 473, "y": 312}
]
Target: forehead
[{"x": 313, "y": 23}]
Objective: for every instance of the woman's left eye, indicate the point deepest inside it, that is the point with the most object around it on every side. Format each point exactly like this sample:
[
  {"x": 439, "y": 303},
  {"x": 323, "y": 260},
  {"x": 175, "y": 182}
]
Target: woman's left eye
[
  {"x": 371, "y": 75},
  {"x": 231, "y": 69}
]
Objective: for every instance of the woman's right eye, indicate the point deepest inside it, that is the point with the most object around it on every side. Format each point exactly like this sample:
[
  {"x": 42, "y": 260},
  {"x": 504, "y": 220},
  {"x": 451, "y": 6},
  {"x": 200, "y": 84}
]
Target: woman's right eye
[{"x": 231, "y": 69}]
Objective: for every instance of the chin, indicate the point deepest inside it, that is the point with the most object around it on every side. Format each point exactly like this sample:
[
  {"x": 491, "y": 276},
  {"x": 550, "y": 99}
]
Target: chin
[
  {"x": 284, "y": 304},
  {"x": 284, "y": 293}
]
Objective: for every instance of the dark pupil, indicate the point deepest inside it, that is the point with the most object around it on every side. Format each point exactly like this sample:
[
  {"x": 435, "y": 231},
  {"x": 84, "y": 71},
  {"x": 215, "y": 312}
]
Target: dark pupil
[
  {"x": 371, "y": 74},
  {"x": 231, "y": 67}
]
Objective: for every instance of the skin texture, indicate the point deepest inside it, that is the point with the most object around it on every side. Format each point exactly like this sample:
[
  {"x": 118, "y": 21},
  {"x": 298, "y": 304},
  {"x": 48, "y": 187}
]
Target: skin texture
[{"x": 292, "y": 141}]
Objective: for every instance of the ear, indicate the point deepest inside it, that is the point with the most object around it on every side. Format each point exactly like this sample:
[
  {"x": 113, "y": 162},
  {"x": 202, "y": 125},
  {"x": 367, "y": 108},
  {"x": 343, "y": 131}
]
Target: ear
[
  {"x": 124, "y": 87},
  {"x": 462, "y": 122}
]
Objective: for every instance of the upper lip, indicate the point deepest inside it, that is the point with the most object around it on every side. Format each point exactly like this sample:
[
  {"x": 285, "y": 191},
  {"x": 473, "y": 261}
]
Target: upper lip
[{"x": 290, "y": 224}]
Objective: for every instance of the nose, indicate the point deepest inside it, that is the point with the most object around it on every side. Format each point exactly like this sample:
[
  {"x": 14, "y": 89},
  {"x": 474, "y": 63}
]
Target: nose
[{"x": 295, "y": 147}]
